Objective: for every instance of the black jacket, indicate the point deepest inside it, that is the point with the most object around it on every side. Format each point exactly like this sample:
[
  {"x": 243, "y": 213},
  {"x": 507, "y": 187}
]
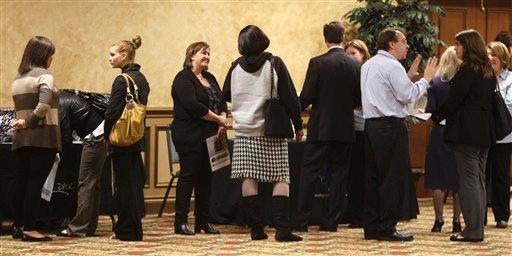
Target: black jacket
[
  {"x": 75, "y": 114},
  {"x": 117, "y": 103},
  {"x": 191, "y": 102},
  {"x": 468, "y": 109},
  {"x": 333, "y": 88}
]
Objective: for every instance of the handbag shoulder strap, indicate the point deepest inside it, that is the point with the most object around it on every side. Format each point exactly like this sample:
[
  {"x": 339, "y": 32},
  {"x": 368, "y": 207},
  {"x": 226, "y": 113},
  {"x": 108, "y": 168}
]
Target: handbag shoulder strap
[
  {"x": 129, "y": 95},
  {"x": 272, "y": 79}
]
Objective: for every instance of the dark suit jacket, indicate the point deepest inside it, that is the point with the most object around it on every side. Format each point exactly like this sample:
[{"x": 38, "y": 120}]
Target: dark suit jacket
[
  {"x": 117, "y": 103},
  {"x": 191, "y": 102},
  {"x": 333, "y": 88},
  {"x": 468, "y": 109}
]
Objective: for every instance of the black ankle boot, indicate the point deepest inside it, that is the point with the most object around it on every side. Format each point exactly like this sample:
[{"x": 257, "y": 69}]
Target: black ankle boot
[
  {"x": 254, "y": 217},
  {"x": 438, "y": 224},
  {"x": 281, "y": 213},
  {"x": 456, "y": 228}
]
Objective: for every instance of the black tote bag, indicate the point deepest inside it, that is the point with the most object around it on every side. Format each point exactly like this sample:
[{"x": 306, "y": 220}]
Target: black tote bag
[{"x": 277, "y": 121}]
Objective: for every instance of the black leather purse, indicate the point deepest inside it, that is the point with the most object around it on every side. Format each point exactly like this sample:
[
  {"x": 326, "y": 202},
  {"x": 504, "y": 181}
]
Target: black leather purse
[
  {"x": 277, "y": 121},
  {"x": 502, "y": 117}
]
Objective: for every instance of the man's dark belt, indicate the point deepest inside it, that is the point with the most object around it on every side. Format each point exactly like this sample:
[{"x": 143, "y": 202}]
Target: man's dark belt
[{"x": 386, "y": 118}]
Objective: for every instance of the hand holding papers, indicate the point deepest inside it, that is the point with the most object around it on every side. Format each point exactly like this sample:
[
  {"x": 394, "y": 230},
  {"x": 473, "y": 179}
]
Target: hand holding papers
[{"x": 218, "y": 151}]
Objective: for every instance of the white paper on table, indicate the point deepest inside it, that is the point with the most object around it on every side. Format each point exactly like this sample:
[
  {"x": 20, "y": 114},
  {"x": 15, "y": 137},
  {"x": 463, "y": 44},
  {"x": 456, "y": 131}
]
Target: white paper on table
[
  {"x": 218, "y": 152},
  {"x": 426, "y": 116},
  {"x": 47, "y": 191}
]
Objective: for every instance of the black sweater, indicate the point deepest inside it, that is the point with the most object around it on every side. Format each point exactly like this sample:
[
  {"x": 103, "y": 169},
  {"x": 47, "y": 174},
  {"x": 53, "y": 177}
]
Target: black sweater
[{"x": 191, "y": 102}]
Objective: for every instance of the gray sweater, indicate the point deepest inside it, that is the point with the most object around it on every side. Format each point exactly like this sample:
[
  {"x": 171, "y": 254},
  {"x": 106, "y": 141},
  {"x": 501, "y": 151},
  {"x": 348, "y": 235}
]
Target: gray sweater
[{"x": 247, "y": 87}]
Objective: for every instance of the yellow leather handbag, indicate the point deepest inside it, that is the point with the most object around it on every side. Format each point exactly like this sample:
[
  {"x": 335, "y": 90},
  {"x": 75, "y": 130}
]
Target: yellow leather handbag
[{"x": 129, "y": 128}]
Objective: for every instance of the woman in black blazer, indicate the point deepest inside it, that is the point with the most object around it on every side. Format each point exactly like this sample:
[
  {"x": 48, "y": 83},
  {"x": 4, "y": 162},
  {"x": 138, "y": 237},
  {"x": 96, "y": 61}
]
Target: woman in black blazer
[
  {"x": 199, "y": 113},
  {"x": 126, "y": 160},
  {"x": 470, "y": 128}
]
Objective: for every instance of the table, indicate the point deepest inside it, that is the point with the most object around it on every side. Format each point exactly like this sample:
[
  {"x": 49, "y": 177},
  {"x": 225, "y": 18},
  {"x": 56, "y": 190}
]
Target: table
[
  {"x": 226, "y": 194},
  {"x": 63, "y": 202}
]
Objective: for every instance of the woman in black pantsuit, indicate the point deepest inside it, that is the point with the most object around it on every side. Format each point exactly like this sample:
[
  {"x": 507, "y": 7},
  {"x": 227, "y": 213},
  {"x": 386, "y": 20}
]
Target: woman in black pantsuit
[
  {"x": 126, "y": 160},
  {"x": 199, "y": 113},
  {"x": 470, "y": 129}
]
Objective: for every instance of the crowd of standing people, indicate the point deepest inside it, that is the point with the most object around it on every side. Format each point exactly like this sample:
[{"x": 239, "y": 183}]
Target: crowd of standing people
[{"x": 357, "y": 133}]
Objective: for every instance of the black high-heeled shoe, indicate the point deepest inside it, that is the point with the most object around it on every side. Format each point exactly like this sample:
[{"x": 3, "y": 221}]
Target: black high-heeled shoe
[
  {"x": 438, "y": 224},
  {"x": 207, "y": 228},
  {"x": 456, "y": 228},
  {"x": 183, "y": 229}
]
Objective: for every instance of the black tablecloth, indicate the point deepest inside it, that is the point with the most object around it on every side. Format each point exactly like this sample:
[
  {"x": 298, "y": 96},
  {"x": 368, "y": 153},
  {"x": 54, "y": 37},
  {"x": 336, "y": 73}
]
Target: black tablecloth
[
  {"x": 63, "y": 202},
  {"x": 226, "y": 193}
]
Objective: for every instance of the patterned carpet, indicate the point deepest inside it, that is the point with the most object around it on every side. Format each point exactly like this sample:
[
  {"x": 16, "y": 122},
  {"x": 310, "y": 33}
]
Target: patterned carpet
[{"x": 159, "y": 239}]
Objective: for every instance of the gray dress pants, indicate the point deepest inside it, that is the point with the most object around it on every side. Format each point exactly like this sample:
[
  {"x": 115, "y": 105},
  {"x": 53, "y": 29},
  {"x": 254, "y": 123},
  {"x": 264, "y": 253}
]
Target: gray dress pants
[
  {"x": 93, "y": 157},
  {"x": 470, "y": 161}
]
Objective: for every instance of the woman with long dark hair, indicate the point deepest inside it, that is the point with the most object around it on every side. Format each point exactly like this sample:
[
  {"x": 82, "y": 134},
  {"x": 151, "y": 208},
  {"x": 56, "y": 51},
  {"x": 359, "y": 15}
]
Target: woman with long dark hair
[
  {"x": 470, "y": 129},
  {"x": 37, "y": 133}
]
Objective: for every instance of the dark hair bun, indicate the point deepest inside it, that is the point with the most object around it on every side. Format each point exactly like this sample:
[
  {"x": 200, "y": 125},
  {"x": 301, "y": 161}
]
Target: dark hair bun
[{"x": 137, "y": 41}]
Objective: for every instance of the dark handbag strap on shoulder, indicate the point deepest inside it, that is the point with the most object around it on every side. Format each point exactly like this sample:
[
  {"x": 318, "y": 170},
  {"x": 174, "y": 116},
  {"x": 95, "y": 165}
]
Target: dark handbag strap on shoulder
[
  {"x": 129, "y": 95},
  {"x": 272, "y": 79}
]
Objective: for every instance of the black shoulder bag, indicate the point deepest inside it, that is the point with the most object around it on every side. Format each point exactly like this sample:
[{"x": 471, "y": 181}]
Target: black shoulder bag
[
  {"x": 277, "y": 121},
  {"x": 501, "y": 115}
]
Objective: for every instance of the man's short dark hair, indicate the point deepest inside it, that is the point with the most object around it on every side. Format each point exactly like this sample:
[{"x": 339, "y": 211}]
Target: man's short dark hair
[
  {"x": 333, "y": 32},
  {"x": 386, "y": 36},
  {"x": 252, "y": 41}
]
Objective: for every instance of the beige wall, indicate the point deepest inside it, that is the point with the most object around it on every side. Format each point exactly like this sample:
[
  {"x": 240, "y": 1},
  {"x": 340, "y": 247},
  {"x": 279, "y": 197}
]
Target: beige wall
[{"x": 84, "y": 30}]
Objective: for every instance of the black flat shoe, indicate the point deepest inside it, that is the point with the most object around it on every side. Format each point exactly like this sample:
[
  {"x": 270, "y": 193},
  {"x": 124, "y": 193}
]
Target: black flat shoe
[
  {"x": 286, "y": 236},
  {"x": 456, "y": 228},
  {"x": 501, "y": 224},
  {"x": 457, "y": 238},
  {"x": 258, "y": 233},
  {"x": 438, "y": 224},
  {"x": 396, "y": 236},
  {"x": 27, "y": 238},
  {"x": 207, "y": 228},
  {"x": 183, "y": 229},
  {"x": 328, "y": 228},
  {"x": 17, "y": 233}
]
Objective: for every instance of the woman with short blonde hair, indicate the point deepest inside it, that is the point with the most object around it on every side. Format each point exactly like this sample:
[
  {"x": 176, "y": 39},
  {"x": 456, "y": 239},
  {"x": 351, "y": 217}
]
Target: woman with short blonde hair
[
  {"x": 440, "y": 172},
  {"x": 498, "y": 160}
]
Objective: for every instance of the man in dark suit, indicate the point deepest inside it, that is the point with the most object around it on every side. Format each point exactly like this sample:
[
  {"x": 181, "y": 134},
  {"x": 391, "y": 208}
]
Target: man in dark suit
[{"x": 332, "y": 87}]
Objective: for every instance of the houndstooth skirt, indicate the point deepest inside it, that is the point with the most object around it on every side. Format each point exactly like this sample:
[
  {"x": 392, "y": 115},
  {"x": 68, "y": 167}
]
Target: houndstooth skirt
[{"x": 262, "y": 158}]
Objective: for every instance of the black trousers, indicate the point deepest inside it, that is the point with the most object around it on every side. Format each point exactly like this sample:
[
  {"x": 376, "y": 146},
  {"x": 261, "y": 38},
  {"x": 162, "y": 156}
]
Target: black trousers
[
  {"x": 388, "y": 174},
  {"x": 127, "y": 189},
  {"x": 354, "y": 213},
  {"x": 335, "y": 156},
  {"x": 195, "y": 174},
  {"x": 498, "y": 179},
  {"x": 33, "y": 166}
]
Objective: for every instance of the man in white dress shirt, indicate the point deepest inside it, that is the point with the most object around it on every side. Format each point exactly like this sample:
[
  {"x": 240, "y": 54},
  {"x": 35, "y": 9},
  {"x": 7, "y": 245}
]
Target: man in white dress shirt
[{"x": 386, "y": 90}]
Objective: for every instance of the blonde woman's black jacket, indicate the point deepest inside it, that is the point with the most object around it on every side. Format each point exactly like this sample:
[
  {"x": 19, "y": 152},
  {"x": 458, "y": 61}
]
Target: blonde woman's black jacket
[
  {"x": 118, "y": 101},
  {"x": 468, "y": 109},
  {"x": 191, "y": 102}
]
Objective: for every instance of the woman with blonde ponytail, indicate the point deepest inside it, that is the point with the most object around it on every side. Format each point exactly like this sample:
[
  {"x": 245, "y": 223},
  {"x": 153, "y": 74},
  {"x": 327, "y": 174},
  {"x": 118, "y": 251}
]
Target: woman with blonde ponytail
[{"x": 126, "y": 161}]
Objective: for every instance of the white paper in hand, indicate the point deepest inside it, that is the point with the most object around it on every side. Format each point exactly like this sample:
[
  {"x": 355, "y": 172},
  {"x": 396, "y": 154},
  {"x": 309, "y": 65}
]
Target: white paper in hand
[
  {"x": 46, "y": 192},
  {"x": 218, "y": 152}
]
